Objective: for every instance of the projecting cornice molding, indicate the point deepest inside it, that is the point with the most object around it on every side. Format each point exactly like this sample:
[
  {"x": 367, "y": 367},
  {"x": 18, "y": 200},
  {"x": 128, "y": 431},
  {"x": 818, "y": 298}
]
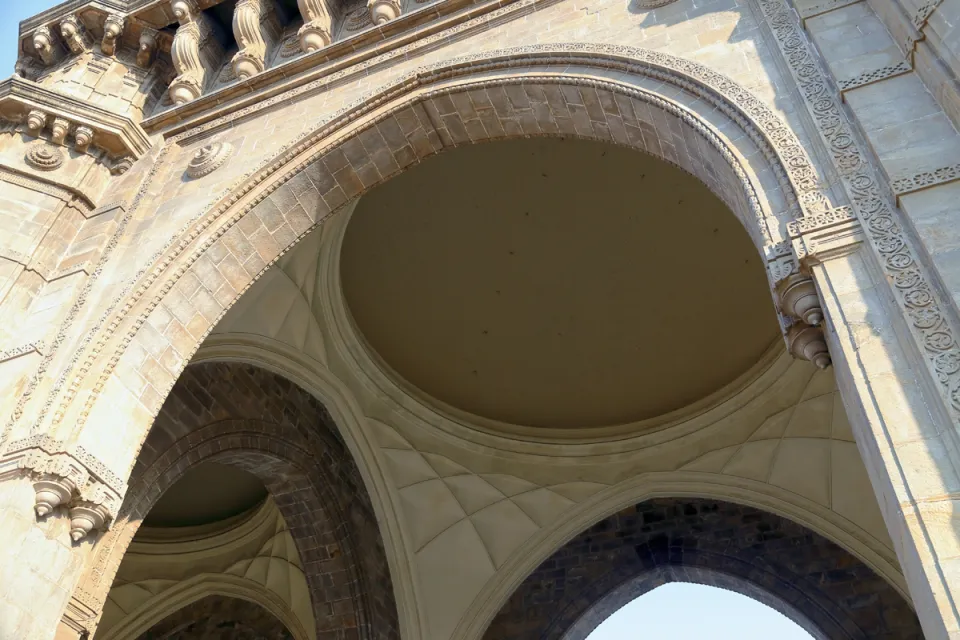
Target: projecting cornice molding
[{"x": 25, "y": 101}]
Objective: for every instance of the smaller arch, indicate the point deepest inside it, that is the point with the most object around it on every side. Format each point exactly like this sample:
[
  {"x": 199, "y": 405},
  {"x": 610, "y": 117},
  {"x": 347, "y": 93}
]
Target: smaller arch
[
  {"x": 779, "y": 562},
  {"x": 160, "y": 607},
  {"x": 260, "y": 422}
]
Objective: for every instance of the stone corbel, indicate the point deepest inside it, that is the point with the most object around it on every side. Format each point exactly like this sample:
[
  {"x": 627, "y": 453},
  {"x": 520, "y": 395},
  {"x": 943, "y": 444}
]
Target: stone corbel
[
  {"x": 59, "y": 129},
  {"x": 70, "y": 480},
  {"x": 75, "y": 35},
  {"x": 190, "y": 52},
  {"x": 82, "y": 136},
  {"x": 807, "y": 343},
  {"x": 317, "y": 30},
  {"x": 46, "y": 45},
  {"x": 249, "y": 29},
  {"x": 112, "y": 28},
  {"x": 36, "y": 121},
  {"x": 798, "y": 299},
  {"x": 383, "y": 11},
  {"x": 148, "y": 47}
]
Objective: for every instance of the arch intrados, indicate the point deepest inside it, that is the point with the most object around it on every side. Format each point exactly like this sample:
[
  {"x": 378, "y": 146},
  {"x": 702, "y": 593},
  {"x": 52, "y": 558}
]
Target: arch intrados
[
  {"x": 782, "y": 154},
  {"x": 539, "y": 547},
  {"x": 187, "y": 592},
  {"x": 640, "y": 585},
  {"x": 278, "y": 461}
]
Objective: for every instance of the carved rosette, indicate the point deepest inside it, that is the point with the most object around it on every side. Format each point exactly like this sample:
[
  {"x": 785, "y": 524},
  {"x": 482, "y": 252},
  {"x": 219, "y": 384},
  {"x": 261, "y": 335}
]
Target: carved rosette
[
  {"x": 383, "y": 11},
  {"x": 44, "y": 156},
  {"x": 248, "y": 29},
  {"x": 208, "y": 159},
  {"x": 799, "y": 299},
  {"x": 112, "y": 28},
  {"x": 316, "y": 32},
  {"x": 807, "y": 343},
  {"x": 74, "y": 34}
]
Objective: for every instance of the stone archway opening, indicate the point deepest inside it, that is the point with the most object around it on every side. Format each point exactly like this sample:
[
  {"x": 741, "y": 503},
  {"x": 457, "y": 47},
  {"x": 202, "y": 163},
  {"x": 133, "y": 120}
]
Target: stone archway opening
[
  {"x": 816, "y": 583},
  {"x": 679, "y": 608},
  {"x": 219, "y": 617}
]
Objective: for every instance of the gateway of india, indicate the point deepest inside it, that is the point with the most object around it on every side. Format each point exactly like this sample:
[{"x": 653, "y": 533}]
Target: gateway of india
[{"x": 477, "y": 319}]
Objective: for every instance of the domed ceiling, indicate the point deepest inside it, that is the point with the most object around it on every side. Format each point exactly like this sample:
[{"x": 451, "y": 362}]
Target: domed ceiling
[
  {"x": 556, "y": 283},
  {"x": 208, "y": 493}
]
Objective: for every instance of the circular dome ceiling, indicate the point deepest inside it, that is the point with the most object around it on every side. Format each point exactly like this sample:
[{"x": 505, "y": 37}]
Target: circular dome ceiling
[
  {"x": 556, "y": 283},
  {"x": 207, "y": 493}
]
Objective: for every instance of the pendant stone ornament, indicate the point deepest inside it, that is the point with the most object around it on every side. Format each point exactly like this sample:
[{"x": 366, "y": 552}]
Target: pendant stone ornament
[
  {"x": 208, "y": 159},
  {"x": 44, "y": 156}
]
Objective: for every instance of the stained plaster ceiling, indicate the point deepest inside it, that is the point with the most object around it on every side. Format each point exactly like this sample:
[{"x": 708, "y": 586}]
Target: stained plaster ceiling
[{"x": 555, "y": 283}]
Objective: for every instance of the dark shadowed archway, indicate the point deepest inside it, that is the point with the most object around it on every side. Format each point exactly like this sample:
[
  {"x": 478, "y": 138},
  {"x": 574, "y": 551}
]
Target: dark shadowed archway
[{"x": 811, "y": 580}]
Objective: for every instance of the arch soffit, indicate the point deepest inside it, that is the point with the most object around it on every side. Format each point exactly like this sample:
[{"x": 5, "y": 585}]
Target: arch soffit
[
  {"x": 711, "y": 92},
  {"x": 541, "y": 545},
  {"x": 157, "y": 608}
]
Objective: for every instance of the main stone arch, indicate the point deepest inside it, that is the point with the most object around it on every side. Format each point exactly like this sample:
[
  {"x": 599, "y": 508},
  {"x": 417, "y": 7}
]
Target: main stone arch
[{"x": 717, "y": 131}]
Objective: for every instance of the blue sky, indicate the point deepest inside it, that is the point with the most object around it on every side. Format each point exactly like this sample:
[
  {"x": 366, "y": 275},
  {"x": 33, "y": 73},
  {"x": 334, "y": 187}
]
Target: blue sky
[{"x": 672, "y": 612}]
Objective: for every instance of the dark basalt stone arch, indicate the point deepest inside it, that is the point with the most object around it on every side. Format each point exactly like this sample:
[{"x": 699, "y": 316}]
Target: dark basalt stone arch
[
  {"x": 776, "y": 561},
  {"x": 248, "y": 417}
]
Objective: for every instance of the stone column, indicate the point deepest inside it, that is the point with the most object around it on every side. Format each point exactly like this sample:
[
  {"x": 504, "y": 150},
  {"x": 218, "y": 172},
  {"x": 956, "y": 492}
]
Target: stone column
[{"x": 901, "y": 423}]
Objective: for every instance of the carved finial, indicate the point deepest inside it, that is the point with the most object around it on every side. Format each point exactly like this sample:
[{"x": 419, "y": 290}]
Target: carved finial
[
  {"x": 148, "y": 47},
  {"x": 807, "y": 343},
  {"x": 383, "y": 11},
  {"x": 315, "y": 33},
  {"x": 59, "y": 129},
  {"x": 112, "y": 28},
  {"x": 51, "y": 492},
  {"x": 799, "y": 299},
  {"x": 36, "y": 120},
  {"x": 44, "y": 43},
  {"x": 86, "y": 517},
  {"x": 74, "y": 34}
]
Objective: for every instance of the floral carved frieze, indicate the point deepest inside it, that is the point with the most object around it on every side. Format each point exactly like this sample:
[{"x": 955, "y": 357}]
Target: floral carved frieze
[
  {"x": 908, "y": 184},
  {"x": 65, "y": 480}
]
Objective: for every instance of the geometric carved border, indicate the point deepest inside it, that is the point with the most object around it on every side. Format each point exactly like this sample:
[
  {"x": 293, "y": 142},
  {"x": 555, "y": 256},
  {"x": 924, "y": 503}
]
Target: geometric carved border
[
  {"x": 869, "y": 77},
  {"x": 924, "y": 179}
]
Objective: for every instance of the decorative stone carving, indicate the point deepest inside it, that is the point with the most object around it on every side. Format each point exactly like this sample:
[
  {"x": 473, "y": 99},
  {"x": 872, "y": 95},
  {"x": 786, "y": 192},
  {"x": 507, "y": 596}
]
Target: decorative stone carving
[
  {"x": 316, "y": 32},
  {"x": 875, "y": 75},
  {"x": 798, "y": 298},
  {"x": 383, "y": 11},
  {"x": 807, "y": 343},
  {"x": 208, "y": 159},
  {"x": 45, "y": 44},
  {"x": 59, "y": 129},
  {"x": 44, "y": 156},
  {"x": 36, "y": 120},
  {"x": 121, "y": 165},
  {"x": 248, "y": 28},
  {"x": 647, "y": 5},
  {"x": 190, "y": 60},
  {"x": 74, "y": 34},
  {"x": 83, "y": 136},
  {"x": 51, "y": 492},
  {"x": 112, "y": 28},
  {"x": 86, "y": 517},
  {"x": 148, "y": 47}
]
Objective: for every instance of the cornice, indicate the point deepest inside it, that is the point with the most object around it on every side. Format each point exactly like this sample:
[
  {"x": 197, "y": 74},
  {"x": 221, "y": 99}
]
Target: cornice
[{"x": 118, "y": 135}]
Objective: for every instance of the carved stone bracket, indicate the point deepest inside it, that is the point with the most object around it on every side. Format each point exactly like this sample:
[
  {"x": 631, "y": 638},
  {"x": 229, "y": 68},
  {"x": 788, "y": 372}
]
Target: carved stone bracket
[
  {"x": 112, "y": 28},
  {"x": 383, "y": 11},
  {"x": 38, "y": 107},
  {"x": 316, "y": 32},
  {"x": 65, "y": 478},
  {"x": 194, "y": 52},
  {"x": 148, "y": 47},
  {"x": 252, "y": 29},
  {"x": 798, "y": 299},
  {"x": 46, "y": 45},
  {"x": 75, "y": 34},
  {"x": 807, "y": 343}
]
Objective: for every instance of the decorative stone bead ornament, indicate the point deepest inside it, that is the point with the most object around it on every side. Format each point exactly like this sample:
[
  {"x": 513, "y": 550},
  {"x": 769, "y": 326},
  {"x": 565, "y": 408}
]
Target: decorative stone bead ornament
[
  {"x": 807, "y": 343},
  {"x": 798, "y": 298},
  {"x": 44, "y": 156},
  {"x": 208, "y": 159}
]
